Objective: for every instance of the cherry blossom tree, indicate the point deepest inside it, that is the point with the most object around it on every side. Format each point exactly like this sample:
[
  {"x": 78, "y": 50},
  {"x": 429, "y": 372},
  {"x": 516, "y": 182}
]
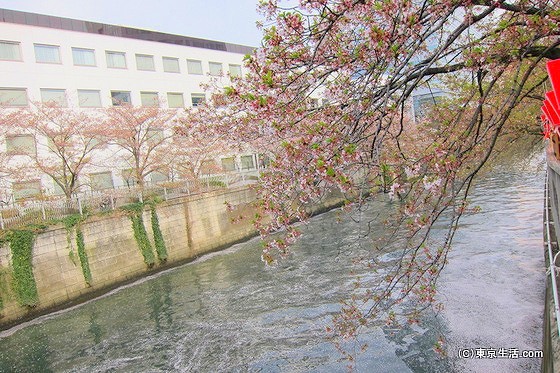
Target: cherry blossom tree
[
  {"x": 194, "y": 151},
  {"x": 6, "y": 172},
  {"x": 141, "y": 135},
  {"x": 6, "y": 175},
  {"x": 367, "y": 60},
  {"x": 63, "y": 143}
]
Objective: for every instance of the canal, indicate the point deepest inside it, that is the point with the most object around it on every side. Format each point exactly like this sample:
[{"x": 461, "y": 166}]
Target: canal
[{"x": 226, "y": 312}]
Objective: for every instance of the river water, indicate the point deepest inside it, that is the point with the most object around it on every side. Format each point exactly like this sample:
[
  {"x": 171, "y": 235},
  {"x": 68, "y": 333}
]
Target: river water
[{"x": 227, "y": 312}]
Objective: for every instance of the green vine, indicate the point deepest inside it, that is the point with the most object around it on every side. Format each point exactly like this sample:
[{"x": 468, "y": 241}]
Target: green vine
[
  {"x": 3, "y": 290},
  {"x": 25, "y": 287},
  {"x": 161, "y": 249},
  {"x": 74, "y": 221},
  {"x": 71, "y": 221},
  {"x": 140, "y": 235},
  {"x": 72, "y": 256},
  {"x": 82, "y": 255}
]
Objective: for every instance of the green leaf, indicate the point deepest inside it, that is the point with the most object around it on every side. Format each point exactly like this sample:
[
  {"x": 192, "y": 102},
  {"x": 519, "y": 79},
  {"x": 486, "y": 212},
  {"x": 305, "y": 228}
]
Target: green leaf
[
  {"x": 350, "y": 148},
  {"x": 229, "y": 91},
  {"x": 267, "y": 78}
]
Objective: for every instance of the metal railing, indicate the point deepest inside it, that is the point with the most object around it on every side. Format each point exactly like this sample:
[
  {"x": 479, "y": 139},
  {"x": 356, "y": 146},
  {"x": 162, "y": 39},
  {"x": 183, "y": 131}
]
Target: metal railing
[
  {"x": 552, "y": 259},
  {"x": 52, "y": 208}
]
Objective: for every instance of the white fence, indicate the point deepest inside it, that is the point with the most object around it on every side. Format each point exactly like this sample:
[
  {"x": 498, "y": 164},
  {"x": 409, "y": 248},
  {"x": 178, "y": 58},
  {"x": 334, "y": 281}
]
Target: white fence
[{"x": 51, "y": 208}]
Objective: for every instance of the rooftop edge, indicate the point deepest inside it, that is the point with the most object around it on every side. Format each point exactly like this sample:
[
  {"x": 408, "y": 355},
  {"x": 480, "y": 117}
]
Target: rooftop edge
[{"x": 61, "y": 23}]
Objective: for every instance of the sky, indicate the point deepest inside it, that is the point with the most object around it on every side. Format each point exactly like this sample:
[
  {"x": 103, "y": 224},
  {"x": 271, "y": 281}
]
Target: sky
[{"x": 230, "y": 21}]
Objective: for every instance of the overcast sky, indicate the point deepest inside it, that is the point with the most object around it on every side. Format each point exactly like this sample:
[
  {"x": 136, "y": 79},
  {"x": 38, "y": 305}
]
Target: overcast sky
[{"x": 223, "y": 20}]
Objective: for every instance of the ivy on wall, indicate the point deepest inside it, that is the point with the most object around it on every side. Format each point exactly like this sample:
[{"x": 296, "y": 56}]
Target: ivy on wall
[
  {"x": 84, "y": 262},
  {"x": 24, "y": 285},
  {"x": 3, "y": 282},
  {"x": 161, "y": 249},
  {"x": 21, "y": 243},
  {"x": 74, "y": 221},
  {"x": 140, "y": 235},
  {"x": 135, "y": 211}
]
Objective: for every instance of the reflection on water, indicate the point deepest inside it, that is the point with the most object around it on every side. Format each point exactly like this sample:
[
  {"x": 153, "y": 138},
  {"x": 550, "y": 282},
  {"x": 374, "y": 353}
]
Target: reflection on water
[
  {"x": 228, "y": 313},
  {"x": 95, "y": 328},
  {"x": 493, "y": 286},
  {"x": 161, "y": 303}
]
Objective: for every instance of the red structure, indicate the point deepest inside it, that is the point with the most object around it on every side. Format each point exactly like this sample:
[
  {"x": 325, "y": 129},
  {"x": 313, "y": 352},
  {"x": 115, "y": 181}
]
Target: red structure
[{"x": 551, "y": 107}]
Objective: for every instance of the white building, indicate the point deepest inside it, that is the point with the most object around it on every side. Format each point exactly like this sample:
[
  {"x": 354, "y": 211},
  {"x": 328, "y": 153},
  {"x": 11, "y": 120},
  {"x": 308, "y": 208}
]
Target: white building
[{"x": 91, "y": 65}]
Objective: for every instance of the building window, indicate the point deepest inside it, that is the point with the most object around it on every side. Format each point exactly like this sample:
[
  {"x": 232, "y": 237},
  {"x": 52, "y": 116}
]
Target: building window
[
  {"x": 422, "y": 103},
  {"x": 83, "y": 57},
  {"x": 116, "y": 60},
  {"x": 119, "y": 98},
  {"x": 194, "y": 67},
  {"x": 54, "y": 97},
  {"x": 13, "y": 97},
  {"x": 21, "y": 145},
  {"x": 47, "y": 53},
  {"x": 197, "y": 98},
  {"x": 10, "y": 50},
  {"x": 57, "y": 190},
  {"x": 264, "y": 161},
  {"x": 175, "y": 100},
  {"x": 155, "y": 135},
  {"x": 247, "y": 162},
  {"x": 159, "y": 177},
  {"x": 171, "y": 65},
  {"x": 145, "y": 62},
  {"x": 89, "y": 98},
  {"x": 228, "y": 164},
  {"x": 101, "y": 180},
  {"x": 149, "y": 98},
  {"x": 235, "y": 71},
  {"x": 208, "y": 166},
  {"x": 129, "y": 177},
  {"x": 26, "y": 189},
  {"x": 215, "y": 68}
]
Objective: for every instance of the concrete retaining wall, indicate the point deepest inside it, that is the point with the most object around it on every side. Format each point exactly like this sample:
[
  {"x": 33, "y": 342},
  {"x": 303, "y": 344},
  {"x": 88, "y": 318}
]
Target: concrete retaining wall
[{"x": 191, "y": 226}]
